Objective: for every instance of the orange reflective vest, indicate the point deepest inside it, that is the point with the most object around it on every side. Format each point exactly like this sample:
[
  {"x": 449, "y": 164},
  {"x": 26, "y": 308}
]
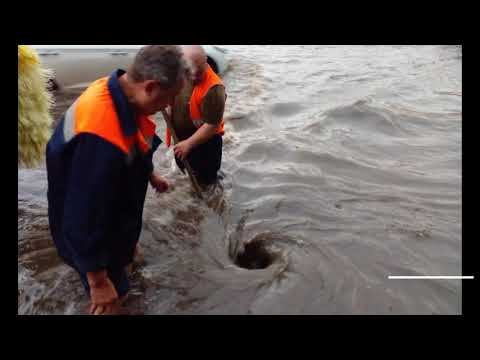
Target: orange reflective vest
[
  {"x": 210, "y": 80},
  {"x": 94, "y": 112}
]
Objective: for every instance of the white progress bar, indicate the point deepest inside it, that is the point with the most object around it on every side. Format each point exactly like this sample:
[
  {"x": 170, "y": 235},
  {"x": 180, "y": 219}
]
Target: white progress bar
[{"x": 430, "y": 277}]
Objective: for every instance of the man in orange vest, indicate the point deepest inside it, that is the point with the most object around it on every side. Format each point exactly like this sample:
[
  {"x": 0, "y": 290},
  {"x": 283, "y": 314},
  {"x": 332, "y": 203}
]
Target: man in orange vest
[
  {"x": 197, "y": 116},
  {"x": 99, "y": 164}
]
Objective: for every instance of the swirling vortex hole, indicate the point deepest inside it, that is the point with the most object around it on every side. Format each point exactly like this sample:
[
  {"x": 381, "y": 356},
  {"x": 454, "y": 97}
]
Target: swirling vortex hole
[{"x": 254, "y": 256}]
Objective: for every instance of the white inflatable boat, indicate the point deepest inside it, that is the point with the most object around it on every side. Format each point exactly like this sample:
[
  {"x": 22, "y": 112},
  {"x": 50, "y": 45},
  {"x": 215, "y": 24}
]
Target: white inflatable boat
[{"x": 79, "y": 65}]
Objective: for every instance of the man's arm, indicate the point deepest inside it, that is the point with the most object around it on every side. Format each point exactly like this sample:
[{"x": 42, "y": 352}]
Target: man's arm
[{"x": 202, "y": 135}]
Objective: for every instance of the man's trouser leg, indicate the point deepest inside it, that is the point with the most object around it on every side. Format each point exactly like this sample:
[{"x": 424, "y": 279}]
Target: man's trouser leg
[{"x": 205, "y": 160}]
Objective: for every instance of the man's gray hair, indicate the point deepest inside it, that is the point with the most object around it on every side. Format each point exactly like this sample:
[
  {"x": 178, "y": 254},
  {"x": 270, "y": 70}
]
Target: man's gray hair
[{"x": 162, "y": 63}]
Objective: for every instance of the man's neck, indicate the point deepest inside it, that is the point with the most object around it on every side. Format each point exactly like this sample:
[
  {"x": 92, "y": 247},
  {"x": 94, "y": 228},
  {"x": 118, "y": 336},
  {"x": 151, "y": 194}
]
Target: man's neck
[
  {"x": 125, "y": 85},
  {"x": 127, "y": 88}
]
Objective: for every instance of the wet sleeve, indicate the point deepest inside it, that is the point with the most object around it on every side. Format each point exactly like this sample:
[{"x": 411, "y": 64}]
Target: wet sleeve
[
  {"x": 89, "y": 211},
  {"x": 213, "y": 105}
]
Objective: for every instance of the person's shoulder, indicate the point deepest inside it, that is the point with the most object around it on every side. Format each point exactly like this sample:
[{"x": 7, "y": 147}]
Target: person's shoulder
[
  {"x": 214, "y": 104},
  {"x": 97, "y": 92},
  {"x": 216, "y": 93}
]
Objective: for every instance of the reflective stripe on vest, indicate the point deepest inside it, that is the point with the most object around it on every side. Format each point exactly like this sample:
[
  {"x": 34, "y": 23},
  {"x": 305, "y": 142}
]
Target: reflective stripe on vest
[
  {"x": 210, "y": 79},
  {"x": 69, "y": 123}
]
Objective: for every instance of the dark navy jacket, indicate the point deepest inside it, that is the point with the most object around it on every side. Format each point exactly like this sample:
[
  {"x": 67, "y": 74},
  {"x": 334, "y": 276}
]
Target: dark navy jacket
[{"x": 95, "y": 196}]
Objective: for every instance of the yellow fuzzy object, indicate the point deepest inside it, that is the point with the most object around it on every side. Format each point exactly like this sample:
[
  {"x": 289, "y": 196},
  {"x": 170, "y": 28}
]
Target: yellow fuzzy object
[{"x": 34, "y": 103}]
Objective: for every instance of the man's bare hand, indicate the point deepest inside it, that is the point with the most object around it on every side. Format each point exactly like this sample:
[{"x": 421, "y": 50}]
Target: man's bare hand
[
  {"x": 158, "y": 183},
  {"x": 182, "y": 149}
]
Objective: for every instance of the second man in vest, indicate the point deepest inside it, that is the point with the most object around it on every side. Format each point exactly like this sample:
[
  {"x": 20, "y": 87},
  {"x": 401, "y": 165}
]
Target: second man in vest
[{"x": 197, "y": 115}]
